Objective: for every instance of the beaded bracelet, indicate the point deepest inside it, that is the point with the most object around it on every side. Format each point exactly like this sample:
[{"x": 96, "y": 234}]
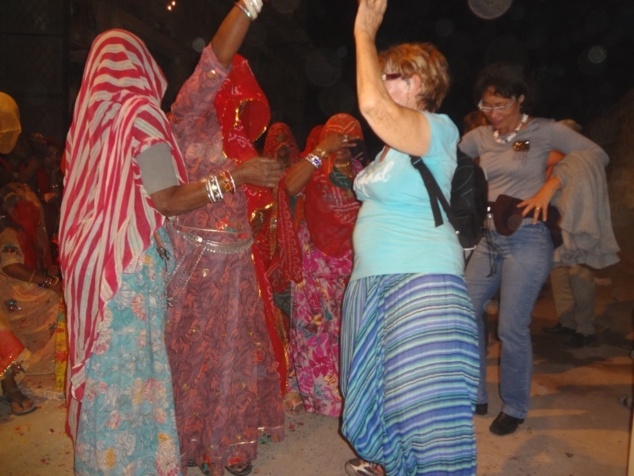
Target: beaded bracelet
[
  {"x": 246, "y": 12},
  {"x": 314, "y": 160},
  {"x": 215, "y": 188}
]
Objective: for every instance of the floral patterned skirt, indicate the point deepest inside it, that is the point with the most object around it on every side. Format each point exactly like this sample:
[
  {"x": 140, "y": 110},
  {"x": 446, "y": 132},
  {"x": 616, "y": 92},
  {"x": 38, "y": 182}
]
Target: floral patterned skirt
[
  {"x": 127, "y": 423},
  {"x": 315, "y": 326}
]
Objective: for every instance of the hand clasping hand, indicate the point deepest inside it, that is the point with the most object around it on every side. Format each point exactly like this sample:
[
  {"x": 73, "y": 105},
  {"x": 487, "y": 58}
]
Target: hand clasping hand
[{"x": 259, "y": 171}]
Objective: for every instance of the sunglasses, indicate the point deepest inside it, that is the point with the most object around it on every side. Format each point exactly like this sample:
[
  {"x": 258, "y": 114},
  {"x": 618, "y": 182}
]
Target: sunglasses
[
  {"x": 521, "y": 145},
  {"x": 391, "y": 76}
]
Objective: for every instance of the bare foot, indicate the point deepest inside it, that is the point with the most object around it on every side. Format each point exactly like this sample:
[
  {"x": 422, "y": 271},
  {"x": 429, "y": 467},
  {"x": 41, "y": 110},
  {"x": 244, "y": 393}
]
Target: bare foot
[
  {"x": 20, "y": 404},
  {"x": 293, "y": 402}
]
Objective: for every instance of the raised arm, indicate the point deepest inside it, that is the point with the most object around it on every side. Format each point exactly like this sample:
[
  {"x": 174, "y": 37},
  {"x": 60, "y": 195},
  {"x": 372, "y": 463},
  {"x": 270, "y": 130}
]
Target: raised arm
[
  {"x": 233, "y": 29},
  {"x": 199, "y": 90},
  {"x": 399, "y": 125},
  {"x": 299, "y": 174}
]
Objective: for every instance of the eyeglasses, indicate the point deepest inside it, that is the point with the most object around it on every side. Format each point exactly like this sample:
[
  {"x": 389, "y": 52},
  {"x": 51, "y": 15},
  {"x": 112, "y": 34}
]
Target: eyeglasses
[
  {"x": 506, "y": 107},
  {"x": 391, "y": 76}
]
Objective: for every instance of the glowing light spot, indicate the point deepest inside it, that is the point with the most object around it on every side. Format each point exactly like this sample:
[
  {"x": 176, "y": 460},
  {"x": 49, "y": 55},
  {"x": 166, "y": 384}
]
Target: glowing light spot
[
  {"x": 198, "y": 44},
  {"x": 597, "y": 54}
]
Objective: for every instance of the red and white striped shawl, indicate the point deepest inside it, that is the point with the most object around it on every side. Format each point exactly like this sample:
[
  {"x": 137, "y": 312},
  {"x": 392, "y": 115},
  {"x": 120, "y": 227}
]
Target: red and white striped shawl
[{"x": 107, "y": 218}]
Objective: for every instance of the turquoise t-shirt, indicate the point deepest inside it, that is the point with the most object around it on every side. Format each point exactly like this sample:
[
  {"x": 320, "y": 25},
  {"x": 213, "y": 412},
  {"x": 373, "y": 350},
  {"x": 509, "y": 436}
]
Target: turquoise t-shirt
[{"x": 395, "y": 232}]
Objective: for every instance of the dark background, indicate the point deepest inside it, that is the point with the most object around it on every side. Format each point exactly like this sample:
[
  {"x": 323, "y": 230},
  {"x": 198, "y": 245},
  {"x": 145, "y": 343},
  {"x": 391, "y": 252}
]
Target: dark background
[{"x": 578, "y": 52}]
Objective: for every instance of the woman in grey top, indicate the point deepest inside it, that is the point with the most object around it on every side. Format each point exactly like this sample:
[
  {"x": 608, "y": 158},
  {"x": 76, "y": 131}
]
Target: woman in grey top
[{"x": 513, "y": 151}]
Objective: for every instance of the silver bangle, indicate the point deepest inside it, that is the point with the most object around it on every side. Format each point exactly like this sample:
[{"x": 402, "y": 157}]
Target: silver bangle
[
  {"x": 246, "y": 12},
  {"x": 215, "y": 188},
  {"x": 214, "y": 194},
  {"x": 254, "y": 7},
  {"x": 210, "y": 196},
  {"x": 314, "y": 160},
  {"x": 233, "y": 183}
]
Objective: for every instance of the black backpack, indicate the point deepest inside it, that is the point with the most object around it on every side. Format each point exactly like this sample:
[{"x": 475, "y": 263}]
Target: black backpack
[{"x": 469, "y": 193}]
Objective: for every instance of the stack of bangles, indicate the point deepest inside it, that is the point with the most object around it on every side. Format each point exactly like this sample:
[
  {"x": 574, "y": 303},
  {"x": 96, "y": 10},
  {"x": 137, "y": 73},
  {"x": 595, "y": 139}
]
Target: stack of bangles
[
  {"x": 217, "y": 185},
  {"x": 251, "y": 8},
  {"x": 316, "y": 156}
]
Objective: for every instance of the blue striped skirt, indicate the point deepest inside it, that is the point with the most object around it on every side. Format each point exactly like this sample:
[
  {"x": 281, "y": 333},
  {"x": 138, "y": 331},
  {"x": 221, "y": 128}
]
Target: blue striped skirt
[{"x": 409, "y": 373}]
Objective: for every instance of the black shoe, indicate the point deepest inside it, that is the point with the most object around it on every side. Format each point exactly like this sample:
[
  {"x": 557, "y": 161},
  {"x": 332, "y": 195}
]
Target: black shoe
[
  {"x": 559, "y": 330},
  {"x": 580, "y": 340},
  {"x": 481, "y": 408},
  {"x": 505, "y": 424}
]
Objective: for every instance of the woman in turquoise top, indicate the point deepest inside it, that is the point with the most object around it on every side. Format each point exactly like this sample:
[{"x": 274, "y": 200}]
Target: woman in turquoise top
[{"x": 409, "y": 367}]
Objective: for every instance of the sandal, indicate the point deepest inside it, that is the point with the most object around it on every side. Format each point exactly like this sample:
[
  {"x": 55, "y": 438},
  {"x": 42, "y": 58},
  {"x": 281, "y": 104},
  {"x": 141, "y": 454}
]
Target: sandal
[
  {"x": 19, "y": 403},
  {"x": 240, "y": 469},
  {"x": 359, "y": 467}
]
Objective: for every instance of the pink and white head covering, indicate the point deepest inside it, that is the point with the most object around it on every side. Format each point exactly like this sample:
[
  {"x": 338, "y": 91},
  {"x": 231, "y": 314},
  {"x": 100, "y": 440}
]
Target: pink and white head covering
[{"x": 107, "y": 218}]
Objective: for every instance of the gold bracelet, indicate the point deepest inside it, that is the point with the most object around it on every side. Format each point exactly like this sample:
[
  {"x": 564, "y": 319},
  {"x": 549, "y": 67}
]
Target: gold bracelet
[
  {"x": 321, "y": 153},
  {"x": 227, "y": 185}
]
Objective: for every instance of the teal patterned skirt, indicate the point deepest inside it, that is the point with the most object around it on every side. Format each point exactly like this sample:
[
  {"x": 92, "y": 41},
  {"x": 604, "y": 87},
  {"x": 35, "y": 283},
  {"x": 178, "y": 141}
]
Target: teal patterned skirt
[{"x": 127, "y": 422}]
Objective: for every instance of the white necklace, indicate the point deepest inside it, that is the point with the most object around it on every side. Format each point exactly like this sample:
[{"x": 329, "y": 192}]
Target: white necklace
[{"x": 511, "y": 136}]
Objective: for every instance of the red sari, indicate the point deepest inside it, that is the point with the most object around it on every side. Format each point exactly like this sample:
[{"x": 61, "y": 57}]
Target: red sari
[
  {"x": 244, "y": 113},
  {"x": 226, "y": 384}
]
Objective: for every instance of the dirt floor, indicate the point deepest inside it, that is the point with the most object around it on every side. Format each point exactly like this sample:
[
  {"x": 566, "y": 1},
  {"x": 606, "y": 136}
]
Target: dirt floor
[{"x": 575, "y": 427}]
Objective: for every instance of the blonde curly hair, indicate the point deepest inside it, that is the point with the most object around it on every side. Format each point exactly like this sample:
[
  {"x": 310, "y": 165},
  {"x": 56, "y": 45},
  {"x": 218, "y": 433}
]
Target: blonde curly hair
[{"x": 424, "y": 60}]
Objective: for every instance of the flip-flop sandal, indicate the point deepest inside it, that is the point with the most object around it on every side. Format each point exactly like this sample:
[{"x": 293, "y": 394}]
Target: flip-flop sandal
[
  {"x": 360, "y": 467},
  {"x": 4, "y": 399},
  {"x": 240, "y": 469}
]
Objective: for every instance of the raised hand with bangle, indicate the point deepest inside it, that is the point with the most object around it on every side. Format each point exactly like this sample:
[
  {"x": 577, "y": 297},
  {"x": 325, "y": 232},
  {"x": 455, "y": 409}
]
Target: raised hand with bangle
[{"x": 300, "y": 173}]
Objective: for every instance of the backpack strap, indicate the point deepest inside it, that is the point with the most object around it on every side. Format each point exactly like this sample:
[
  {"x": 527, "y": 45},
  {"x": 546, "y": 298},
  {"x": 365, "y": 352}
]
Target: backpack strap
[{"x": 435, "y": 194}]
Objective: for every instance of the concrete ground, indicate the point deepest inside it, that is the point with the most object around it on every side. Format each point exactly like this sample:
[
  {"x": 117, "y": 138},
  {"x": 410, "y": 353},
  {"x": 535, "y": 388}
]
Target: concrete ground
[{"x": 575, "y": 427}]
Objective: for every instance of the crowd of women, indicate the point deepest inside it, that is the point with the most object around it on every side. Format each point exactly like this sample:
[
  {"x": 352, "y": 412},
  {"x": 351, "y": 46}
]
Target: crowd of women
[
  {"x": 32, "y": 337},
  {"x": 210, "y": 287}
]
